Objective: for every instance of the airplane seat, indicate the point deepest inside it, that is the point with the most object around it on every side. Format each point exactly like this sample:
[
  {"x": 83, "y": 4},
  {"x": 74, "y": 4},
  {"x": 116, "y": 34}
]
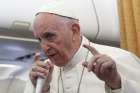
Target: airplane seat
[{"x": 10, "y": 82}]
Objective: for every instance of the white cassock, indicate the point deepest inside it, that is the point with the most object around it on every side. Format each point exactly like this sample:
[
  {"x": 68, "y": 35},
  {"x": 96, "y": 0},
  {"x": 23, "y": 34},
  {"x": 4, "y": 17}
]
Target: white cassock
[{"x": 66, "y": 79}]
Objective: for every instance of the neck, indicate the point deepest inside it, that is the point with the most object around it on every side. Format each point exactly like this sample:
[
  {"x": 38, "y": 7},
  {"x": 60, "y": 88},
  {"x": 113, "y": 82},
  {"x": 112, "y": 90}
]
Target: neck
[{"x": 78, "y": 56}]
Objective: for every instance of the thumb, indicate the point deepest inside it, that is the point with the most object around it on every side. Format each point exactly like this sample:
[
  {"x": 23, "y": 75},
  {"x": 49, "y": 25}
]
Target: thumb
[
  {"x": 37, "y": 57},
  {"x": 50, "y": 64}
]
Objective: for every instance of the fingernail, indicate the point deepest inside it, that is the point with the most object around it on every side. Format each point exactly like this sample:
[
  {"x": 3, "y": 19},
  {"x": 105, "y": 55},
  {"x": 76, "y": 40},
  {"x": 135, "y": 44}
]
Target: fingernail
[
  {"x": 94, "y": 64},
  {"x": 37, "y": 54}
]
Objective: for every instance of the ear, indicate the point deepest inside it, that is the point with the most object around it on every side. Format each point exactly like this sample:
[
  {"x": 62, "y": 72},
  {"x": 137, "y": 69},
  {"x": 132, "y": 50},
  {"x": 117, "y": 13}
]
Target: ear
[{"x": 75, "y": 30}]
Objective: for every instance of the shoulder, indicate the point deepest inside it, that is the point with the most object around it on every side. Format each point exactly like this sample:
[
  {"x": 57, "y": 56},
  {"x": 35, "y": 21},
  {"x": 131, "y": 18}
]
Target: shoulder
[
  {"x": 111, "y": 51},
  {"x": 119, "y": 55}
]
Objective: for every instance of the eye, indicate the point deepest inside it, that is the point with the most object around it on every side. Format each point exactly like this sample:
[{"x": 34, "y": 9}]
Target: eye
[{"x": 49, "y": 36}]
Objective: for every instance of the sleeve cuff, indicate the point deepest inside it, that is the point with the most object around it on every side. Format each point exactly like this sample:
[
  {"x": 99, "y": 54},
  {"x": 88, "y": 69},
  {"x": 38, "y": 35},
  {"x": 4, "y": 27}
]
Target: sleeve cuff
[{"x": 109, "y": 90}]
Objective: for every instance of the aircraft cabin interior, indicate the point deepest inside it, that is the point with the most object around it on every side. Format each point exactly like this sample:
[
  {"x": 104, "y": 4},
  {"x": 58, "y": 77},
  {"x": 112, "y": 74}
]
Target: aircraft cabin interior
[{"x": 99, "y": 23}]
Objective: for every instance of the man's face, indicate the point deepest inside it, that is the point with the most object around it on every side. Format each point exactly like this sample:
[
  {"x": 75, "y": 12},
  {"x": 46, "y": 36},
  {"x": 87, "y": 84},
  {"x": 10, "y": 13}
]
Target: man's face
[{"x": 56, "y": 38}]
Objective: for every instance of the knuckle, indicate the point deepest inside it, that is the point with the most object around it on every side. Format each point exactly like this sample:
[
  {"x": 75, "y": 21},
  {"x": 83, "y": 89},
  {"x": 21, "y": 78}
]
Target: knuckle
[
  {"x": 98, "y": 55},
  {"x": 38, "y": 63},
  {"x": 105, "y": 66},
  {"x": 40, "y": 74},
  {"x": 33, "y": 69}
]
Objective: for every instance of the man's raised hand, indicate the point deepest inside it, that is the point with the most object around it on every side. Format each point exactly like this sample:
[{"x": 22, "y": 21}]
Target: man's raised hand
[{"x": 104, "y": 67}]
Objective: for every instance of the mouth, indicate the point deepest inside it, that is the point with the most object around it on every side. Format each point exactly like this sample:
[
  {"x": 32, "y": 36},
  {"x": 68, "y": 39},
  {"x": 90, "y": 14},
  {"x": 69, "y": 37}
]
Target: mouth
[{"x": 52, "y": 55}]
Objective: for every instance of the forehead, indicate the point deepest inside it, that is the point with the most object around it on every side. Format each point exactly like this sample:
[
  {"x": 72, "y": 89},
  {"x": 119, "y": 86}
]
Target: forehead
[{"x": 44, "y": 21}]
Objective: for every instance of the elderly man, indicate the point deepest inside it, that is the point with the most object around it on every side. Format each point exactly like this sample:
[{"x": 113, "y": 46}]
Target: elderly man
[{"x": 76, "y": 65}]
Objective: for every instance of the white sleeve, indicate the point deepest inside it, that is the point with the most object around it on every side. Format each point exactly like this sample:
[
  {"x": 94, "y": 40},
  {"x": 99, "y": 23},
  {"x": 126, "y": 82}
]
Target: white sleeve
[
  {"x": 109, "y": 90},
  {"x": 128, "y": 86},
  {"x": 129, "y": 68}
]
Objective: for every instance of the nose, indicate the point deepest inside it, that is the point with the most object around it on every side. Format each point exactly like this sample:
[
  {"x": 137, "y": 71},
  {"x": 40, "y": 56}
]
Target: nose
[{"x": 45, "y": 47}]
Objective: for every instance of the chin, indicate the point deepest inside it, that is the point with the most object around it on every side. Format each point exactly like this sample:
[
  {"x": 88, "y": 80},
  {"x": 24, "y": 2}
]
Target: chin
[{"x": 59, "y": 63}]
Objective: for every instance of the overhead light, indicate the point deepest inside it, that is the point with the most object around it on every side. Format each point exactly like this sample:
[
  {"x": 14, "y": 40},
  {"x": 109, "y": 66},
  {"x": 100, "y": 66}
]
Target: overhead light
[
  {"x": 22, "y": 25},
  {"x": 18, "y": 38}
]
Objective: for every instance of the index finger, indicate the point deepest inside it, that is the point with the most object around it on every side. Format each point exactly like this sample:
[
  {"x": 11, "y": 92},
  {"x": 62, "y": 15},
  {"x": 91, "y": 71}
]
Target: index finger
[{"x": 91, "y": 49}]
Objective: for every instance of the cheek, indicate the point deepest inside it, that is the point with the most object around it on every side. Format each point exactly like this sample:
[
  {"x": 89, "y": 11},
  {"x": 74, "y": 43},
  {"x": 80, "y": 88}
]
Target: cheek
[
  {"x": 68, "y": 42},
  {"x": 65, "y": 52}
]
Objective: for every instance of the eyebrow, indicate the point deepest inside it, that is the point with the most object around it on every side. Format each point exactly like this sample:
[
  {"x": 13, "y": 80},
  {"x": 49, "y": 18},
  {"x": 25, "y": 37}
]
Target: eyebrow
[{"x": 47, "y": 33}]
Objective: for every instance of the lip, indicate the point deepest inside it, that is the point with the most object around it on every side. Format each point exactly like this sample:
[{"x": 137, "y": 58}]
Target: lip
[{"x": 52, "y": 55}]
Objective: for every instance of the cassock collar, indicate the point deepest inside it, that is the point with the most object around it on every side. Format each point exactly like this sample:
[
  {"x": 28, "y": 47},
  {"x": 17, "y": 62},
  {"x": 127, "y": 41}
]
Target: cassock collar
[{"x": 79, "y": 56}]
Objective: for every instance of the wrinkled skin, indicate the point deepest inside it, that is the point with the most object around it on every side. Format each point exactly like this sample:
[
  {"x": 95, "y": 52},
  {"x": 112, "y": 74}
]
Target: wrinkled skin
[{"x": 58, "y": 38}]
